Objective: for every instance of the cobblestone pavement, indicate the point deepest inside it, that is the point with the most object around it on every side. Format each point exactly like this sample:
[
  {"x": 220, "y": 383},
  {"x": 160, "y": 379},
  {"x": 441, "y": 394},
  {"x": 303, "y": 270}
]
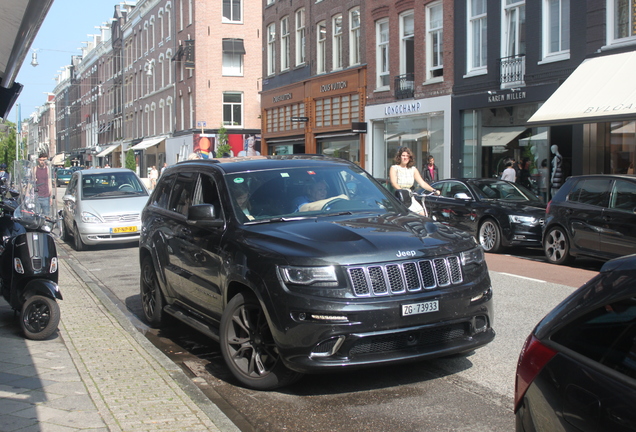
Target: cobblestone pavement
[{"x": 98, "y": 373}]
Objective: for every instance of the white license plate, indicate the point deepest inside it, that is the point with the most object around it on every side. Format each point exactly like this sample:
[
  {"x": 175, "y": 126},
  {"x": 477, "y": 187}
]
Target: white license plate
[{"x": 420, "y": 308}]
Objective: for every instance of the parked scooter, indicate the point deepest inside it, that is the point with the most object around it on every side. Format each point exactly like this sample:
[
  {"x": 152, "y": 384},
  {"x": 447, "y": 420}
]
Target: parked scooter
[{"x": 28, "y": 255}]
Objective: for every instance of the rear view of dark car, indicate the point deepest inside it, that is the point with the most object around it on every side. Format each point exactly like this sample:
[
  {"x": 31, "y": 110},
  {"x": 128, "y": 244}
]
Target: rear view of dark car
[
  {"x": 592, "y": 216},
  {"x": 577, "y": 370}
]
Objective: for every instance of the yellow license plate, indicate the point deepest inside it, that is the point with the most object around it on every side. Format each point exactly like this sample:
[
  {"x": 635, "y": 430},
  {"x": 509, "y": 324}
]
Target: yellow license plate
[{"x": 119, "y": 230}]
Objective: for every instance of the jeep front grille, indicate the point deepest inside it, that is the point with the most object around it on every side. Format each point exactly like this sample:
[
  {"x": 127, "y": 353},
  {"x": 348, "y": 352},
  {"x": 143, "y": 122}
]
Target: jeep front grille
[{"x": 399, "y": 278}]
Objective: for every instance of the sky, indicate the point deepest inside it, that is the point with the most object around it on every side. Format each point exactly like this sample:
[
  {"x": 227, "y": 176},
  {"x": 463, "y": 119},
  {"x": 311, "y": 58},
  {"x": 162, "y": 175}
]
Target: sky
[{"x": 66, "y": 26}]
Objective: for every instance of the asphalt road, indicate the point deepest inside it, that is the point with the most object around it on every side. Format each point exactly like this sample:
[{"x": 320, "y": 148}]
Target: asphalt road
[{"x": 473, "y": 392}]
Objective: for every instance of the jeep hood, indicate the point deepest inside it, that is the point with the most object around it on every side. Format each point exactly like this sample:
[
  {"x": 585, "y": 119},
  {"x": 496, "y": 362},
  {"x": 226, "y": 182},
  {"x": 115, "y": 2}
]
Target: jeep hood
[{"x": 360, "y": 240}]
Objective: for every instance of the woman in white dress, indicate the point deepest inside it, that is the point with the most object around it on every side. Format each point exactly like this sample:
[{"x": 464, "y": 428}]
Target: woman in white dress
[{"x": 404, "y": 174}]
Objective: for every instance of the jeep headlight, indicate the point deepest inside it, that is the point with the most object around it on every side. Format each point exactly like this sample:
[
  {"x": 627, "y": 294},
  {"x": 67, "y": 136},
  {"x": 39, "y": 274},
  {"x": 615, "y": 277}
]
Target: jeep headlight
[
  {"x": 526, "y": 220},
  {"x": 473, "y": 256},
  {"x": 321, "y": 276}
]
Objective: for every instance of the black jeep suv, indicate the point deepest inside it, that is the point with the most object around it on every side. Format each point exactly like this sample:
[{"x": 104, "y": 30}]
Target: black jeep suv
[{"x": 300, "y": 264}]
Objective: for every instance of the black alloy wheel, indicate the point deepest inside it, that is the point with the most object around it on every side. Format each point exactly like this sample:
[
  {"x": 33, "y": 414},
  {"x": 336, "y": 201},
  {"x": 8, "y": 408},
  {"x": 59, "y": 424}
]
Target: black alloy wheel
[
  {"x": 489, "y": 236},
  {"x": 249, "y": 348},
  {"x": 151, "y": 297},
  {"x": 557, "y": 246},
  {"x": 39, "y": 317}
]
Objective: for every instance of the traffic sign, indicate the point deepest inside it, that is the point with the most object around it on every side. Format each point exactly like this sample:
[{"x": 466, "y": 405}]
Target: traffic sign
[{"x": 300, "y": 119}]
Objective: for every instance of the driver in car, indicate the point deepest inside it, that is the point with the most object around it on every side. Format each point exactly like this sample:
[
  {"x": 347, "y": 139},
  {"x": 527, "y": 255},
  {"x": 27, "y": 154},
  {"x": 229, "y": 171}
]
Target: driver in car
[{"x": 315, "y": 197}]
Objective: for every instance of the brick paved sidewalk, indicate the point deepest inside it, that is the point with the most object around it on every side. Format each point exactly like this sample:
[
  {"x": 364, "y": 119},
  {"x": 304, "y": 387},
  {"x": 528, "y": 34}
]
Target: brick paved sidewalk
[{"x": 98, "y": 374}]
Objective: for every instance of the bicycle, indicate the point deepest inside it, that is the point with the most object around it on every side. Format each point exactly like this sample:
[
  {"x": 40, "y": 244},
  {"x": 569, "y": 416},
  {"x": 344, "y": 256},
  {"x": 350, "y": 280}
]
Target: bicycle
[{"x": 421, "y": 197}]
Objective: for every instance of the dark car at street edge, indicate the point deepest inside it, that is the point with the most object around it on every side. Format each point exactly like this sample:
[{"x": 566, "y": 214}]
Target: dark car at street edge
[
  {"x": 497, "y": 212},
  {"x": 577, "y": 369},
  {"x": 591, "y": 216},
  {"x": 351, "y": 281}
]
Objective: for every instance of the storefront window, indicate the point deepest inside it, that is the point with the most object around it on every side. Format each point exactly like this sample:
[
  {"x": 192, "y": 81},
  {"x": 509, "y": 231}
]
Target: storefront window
[
  {"x": 424, "y": 134},
  {"x": 348, "y": 149},
  {"x": 622, "y": 148}
]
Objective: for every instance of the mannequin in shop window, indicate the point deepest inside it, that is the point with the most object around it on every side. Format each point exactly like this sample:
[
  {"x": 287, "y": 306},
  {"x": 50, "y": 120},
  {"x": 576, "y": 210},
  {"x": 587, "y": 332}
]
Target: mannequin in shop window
[{"x": 556, "y": 179}]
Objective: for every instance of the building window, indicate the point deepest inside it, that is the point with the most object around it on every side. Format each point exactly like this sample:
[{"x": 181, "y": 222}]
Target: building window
[
  {"x": 407, "y": 43},
  {"x": 232, "y": 11},
  {"x": 300, "y": 37},
  {"x": 233, "y": 52},
  {"x": 271, "y": 49},
  {"x": 477, "y": 40},
  {"x": 514, "y": 27},
  {"x": 321, "y": 30},
  {"x": 435, "y": 41},
  {"x": 338, "y": 110},
  {"x": 233, "y": 109},
  {"x": 284, "y": 43},
  {"x": 620, "y": 20},
  {"x": 269, "y": 2},
  {"x": 354, "y": 37},
  {"x": 556, "y": 28},
  {"x": 336, "y": 49},
  {"x": 382, "y": 54}
]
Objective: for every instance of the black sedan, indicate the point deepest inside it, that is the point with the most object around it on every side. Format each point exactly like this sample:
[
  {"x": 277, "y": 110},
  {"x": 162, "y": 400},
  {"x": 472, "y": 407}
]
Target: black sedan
[
  {"x": 497, "y": 212},
  {"x": 577, "y": 369}
]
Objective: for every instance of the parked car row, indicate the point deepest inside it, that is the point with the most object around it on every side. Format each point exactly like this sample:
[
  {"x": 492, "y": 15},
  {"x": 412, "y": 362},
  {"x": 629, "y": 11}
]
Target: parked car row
[{"x": 592, "y": 216}]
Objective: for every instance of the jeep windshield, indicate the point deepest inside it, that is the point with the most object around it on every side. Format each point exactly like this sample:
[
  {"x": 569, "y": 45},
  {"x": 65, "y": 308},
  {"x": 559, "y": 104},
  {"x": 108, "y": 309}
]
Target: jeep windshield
[{"x": 309, "y": 192}]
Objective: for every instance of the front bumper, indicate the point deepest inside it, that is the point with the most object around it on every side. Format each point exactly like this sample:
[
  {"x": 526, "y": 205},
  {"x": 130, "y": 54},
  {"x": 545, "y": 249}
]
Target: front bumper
[
  {"x": 375, "y": 332},
  {"x": 93, "y": 234},
  {"x": 523, "y": 235}
]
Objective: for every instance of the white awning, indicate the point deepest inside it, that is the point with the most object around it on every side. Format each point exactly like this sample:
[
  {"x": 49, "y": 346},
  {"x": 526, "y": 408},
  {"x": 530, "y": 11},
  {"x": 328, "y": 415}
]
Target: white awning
[
  {"x": 58, "y": 159},
  {"x": 600, "y": 89},
  {"x": 147, "y": 143},
  {"x": 108, "y": 150},
  {"x": 500, "y": 136}
]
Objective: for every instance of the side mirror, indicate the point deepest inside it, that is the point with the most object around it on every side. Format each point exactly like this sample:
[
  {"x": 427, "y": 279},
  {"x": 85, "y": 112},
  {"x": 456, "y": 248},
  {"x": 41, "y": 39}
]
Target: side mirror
[
  {"x": 204, "y": 215},
  {"x": 461, "y": 195},
  {"x": 404, "y": 196}
]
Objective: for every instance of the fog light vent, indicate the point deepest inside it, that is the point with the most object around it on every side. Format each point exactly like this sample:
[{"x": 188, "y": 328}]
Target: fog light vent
[
  {"x": 481, "y": 323},
  {"x": 327, "y": 348}
]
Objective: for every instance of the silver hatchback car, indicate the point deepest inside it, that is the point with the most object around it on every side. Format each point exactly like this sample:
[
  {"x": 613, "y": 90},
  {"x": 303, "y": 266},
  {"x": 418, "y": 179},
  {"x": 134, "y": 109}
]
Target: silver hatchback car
[{"x": 103, "y": 206}]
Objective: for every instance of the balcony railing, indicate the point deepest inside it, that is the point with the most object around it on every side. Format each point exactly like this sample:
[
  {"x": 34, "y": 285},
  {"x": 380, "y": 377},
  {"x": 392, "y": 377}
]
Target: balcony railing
[
  {"x": 404, "y": 86},
  {"x": 513, "y": 70}
]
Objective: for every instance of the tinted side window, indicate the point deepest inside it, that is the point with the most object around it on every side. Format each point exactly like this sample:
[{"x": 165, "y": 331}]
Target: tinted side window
[
  {"x": 606, "y": 335},
  {"x": 623, "y": 196},
  {"x": 591, "y": 191},
  {"x": 162, "y": 194},
  {"x": 182, "y": 193},
  {"x": 205, "y": 192}
]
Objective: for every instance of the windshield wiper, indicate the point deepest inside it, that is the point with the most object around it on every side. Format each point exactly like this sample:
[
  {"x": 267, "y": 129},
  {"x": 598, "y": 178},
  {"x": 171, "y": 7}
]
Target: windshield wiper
[{"x": 278, "y": 219}]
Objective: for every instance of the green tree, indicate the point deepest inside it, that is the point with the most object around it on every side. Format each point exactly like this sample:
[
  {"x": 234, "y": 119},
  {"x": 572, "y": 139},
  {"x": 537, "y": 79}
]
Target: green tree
[
  {"x": 223, "y": 146},
  {"x": 130, "y": 160},
  {"x": 7, "y": 144}
]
